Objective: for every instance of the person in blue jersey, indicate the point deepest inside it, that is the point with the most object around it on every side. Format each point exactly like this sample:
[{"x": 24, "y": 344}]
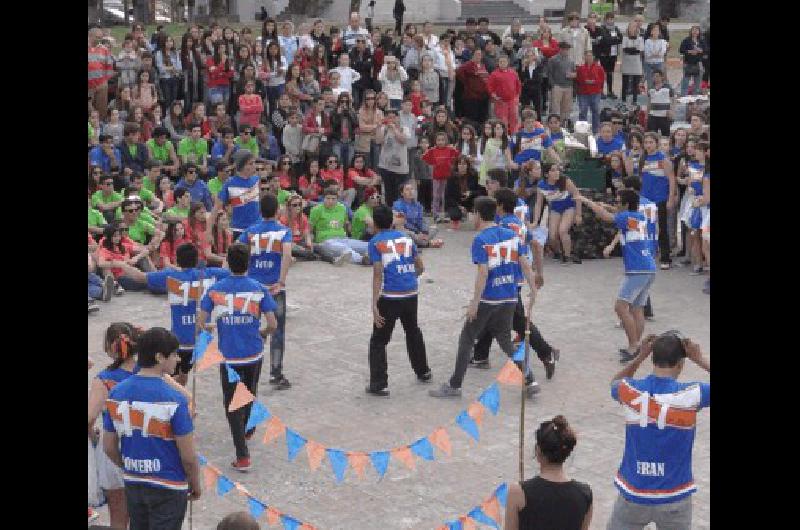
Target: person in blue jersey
[
  {"x": 149, "y": 434},
  {"x": 496, "y": 253},
  {"x": 659, "y": 185},
  {"x": 395, "y": 265},
  {"x": 634, "y": 154},
  {"x": 512, "y": 214},
  {"x": 270, "y": 245},
  {"x": 240, "y": 192},
  {"x": 655, "y": 479},
  {"x": 560, "y": 193},
  {"x": 531, "y": 140},
  {"x": 554, "y": 130},
  {"x": 698, "y": 179},
  {"x": 607, "y": 143},
  {"x": 241, "y": 302},
  {"x": 182, "y": 285},
  {"x": 640, "y": 266}
]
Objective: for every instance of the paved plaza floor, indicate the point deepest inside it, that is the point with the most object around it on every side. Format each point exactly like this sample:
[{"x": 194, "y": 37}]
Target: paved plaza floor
[{"x": 328, "y": 329}]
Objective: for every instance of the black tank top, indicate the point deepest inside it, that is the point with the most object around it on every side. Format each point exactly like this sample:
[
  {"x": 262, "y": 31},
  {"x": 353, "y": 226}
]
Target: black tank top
[{"x": 554, "y": 505}]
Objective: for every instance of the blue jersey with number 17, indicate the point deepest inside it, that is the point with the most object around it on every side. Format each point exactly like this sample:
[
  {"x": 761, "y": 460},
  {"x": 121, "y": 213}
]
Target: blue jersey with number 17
[
  {"x": 266, "y": 241},
  {"x": 499, "y": 249},
  {"x": 636, "y": 249}
]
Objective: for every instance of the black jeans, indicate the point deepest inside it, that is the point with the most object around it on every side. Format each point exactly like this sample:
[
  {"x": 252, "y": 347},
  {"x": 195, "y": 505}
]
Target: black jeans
[
  {"x": 663, "y": 233},
  {"x": 278, "y": 339},
  {"x": 249, "y": 374},
  {"x": 659, "y": 123},
  {"x": 155, "y": 508},
  {"x": 630, "y": 86},
  {"x": 540, "y": 346},
  {"x": 169, "y": 87},
  {"x": 609, "y": 64},
  {"x": 391, "y": 309},
  {"x": 391, "y": 184},
  {"x": 496, "y": 319},
  {"x": 476, "y": 110}
]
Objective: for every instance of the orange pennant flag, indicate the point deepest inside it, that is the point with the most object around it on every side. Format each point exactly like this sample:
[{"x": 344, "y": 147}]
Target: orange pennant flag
[
  {"x": 475, "y": 411},
  {"x": 441, "y": 439},
  {"x": 315, "y": 452},
  {"x": 210, "y": 475},
  {"x": 405, "y": 455},
  {"x": 510, "y": 374},
  {"x": 491, "y": 508},
  {"x": 275, "y": 428},
  {"x": 273, "y": 516},
  {"x": 359, "y": 462},
  {"x": 306, "y": 526},
  {"x": 241, "y": 489},
  {"x": 467, "y": 523},
  {"x": 211, "y": 357},
  {"x": 241, "y": 397}
]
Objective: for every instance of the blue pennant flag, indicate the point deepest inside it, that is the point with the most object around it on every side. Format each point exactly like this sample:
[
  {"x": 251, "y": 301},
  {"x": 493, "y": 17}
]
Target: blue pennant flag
[
  {"x": 454, "y": 525},
  {"x": 224, "y": 485},
  {"x": 468, "y": 424},
  {"x": 289, "y": 523},
  {"x": 258, "y": 415},
  {"x": 233, "y": 377},
  {"x": 380, "y": 461},
  {"x": 490, "y": 398},
  {"x": 502, "y": 493},
  {"x": 256, "y": 508},
  {"x": 202, "y": 460},
  {"x": 294, "y": 442},
  {"x": 519, "y": 355},
  {"x": 200, "y": 344},
  {"x": 422, "y": 448},
  {"x": 338, "y": 462},
  {"x": 482, "y": 518}
]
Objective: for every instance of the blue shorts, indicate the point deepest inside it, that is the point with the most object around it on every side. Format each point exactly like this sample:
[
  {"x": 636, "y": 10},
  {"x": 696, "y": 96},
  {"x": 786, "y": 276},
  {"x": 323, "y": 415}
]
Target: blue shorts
[
  {"x": 635, "y": 289},
  {"x": 696, "y": 217},
  {"x": 562, "y": 205}
]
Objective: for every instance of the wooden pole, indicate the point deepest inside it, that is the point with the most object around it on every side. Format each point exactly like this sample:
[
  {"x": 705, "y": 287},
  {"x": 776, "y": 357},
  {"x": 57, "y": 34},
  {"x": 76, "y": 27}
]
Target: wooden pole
[
  {"x": 523, "y": 396},
  {"x": 194, "y": 365}
]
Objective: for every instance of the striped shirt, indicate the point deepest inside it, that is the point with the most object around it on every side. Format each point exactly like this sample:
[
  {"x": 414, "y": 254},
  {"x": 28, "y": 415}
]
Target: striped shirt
[{"x": 101, "y": 66}]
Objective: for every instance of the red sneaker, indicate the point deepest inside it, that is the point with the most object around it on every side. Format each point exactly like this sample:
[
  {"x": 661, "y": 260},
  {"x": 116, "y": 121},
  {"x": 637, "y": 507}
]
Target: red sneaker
[{"x": 241, "y": 464}]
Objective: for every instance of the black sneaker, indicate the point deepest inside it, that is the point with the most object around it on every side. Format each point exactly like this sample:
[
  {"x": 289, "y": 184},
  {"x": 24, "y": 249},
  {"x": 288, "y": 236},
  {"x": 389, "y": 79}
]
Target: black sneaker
[
  {"x": 565, "y": 259},
  {"x": 532, "y": 389},
  {"x": 108, "y": 288},
  {"x": 576, "y": 259},
  {"x": 280, "y": 382},
  {"x": 626, "y": 356},
  {"x": 425, "y": 378},
  {"x": 556, "y": 257},
  {"x": 93, "y": 307},
  {"x": 383, "y": 392},
  {"x": 483, "y": 365},
  {"x": 550, "y": 367}
]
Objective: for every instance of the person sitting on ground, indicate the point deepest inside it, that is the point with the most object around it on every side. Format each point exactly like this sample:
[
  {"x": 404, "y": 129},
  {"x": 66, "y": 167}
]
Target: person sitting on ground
[
  {"x": 297, "y": 221},
  {"x": 160, "y": 148},
  {"x": 106, "y": 200},
  {"x": 180, "y": 211},
  {"x": 363, "y": 225},
  {"x": 105, "y": 155},
  {"x": 330, "y": 223},
  {"x": 410, "y": 209},
  {"x": 198, "y": 190},
  {"x": 193, "y": 149}
]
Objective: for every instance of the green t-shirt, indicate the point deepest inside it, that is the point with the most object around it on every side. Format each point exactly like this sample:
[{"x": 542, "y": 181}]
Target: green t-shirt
[
  {"x": 359, "y": 225},
  {"x": 160, "y": 152},
  {"x": 99, "y": 198},
  {"x": 187, "y": 146},
  {"x": 146, "y": 215},
  {"x": 252, "y": 145},
  {"x": 214, "y": 186},
  {"x": 148, "y": 184},
  {"x": 133, "y": 149},
  {"x": 139, "y": 230},
  {"x": 175, "y": 211},
  {"x": 96, "y": 218},
  {"x": 283, "y": 196},
  {"x": 328, "y": 223},
  {"x": 91, "y": 131}
]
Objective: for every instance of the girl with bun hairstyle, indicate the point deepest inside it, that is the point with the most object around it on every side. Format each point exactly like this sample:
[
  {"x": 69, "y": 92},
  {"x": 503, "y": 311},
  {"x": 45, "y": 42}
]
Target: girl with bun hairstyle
[{"x": 550, "y": 500}]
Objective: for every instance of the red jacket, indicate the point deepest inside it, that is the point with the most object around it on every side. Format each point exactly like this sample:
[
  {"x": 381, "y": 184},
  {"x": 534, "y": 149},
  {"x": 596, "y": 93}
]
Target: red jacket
[
  {"x": 473, "y": 76},
  {"x": 505, "y": 84},
  {"x": 441, "y": 158},
  {"x": 219, "y": 77},
  {"x": 548, "y": 51},
  {"x": 251, "y": 108},
  {"x": 590, "y": 78},
  {"x": 310, "y": 122}
]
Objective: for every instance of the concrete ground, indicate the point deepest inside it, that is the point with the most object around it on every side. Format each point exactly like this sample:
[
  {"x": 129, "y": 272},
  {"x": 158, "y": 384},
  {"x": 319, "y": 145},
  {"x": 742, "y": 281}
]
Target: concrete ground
[{"x": 328, "y": 330}]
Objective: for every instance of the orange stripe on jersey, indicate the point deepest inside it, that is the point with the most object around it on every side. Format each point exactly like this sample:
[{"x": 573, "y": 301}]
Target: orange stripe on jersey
[
  {"x": 238, "y": 303},
  {"x": 504, "y": 253},
  {"x": 676, "y": 489},
  {"x": 249, "y": 195},
  {"x": 399, "y": 247},
  {"x": 174, "y": 287},
  {"x": 155, "y": 427},
  {"x": 633, "y": 224},
  {"x": 277, "y": 246},
  {"x": 676, "y": 416}
]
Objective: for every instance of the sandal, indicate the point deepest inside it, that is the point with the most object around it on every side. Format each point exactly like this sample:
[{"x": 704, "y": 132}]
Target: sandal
[{"x": 436, "y": 243}]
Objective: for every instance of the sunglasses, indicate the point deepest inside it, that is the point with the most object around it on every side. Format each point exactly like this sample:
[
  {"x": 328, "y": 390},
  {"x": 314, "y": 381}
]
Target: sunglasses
[
  {"x": 298, "y": 205},
  {"x": 132, "y": 210},
  {"x": 258, "y": 168},
  {"x": 333, "y": 161},
  {"x": 108, "y": 183}
]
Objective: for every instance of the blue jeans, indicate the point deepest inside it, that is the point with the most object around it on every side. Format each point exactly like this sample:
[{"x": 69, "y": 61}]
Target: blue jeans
[
  {"x": 648, "y": 72},
  {"x": 585, "y": 102},
  {"x": 685, "y": 82},
  {"x": 95, "y": 286},
  {"x": 273, "y": 93},
  {"x": 276, "y": 344},
  {"x": 219, "y": 94},
  {"x": 338, "y": 246},
  {"x": 342, "y": 150}
]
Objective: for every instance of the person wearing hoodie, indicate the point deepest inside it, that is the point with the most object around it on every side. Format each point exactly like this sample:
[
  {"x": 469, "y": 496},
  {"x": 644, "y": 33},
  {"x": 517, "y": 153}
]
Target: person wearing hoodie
[{"x": 505, "y": 88}]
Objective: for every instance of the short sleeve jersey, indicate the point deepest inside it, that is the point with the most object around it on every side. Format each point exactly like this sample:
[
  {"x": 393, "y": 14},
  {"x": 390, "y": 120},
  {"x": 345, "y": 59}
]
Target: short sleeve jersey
[
  {"x": 650, "y": 211},
  {"x": 655, "y": 184},
  {"x": 396, "y": 252},
  {"x": 240, "y": 301},
  {"x": 518, "y": 226},
  {"x": 661, "y": 417},
  {"x": 243, "y": 196},
  {"x": 637, "y": 256},
  {"x": 499, "y": 249},
  {"x": 531, "y": 145},
  {"x": 266, "y": 240},
  {"x": 147, "y": 414}
]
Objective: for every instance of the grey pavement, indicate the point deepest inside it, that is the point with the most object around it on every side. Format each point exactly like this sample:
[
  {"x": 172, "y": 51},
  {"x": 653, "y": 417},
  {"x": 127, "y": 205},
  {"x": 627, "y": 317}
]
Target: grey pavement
[{"x": 328, "y": 330}]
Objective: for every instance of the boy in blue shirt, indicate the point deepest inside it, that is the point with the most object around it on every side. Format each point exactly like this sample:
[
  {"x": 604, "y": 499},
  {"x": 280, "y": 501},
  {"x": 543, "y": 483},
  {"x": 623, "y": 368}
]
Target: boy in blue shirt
[
  {"x": 396, "y": 266},
  {"x": 241, "y": 302}
]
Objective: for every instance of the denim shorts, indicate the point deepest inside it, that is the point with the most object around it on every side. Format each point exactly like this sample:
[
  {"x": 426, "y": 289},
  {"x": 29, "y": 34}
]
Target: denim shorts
[{"x": 635, "y": 289}]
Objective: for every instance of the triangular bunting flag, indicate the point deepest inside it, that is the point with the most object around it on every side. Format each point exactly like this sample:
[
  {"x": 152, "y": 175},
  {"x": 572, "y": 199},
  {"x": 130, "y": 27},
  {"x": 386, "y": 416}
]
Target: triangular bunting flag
[
  {"x": 475, "y": 411},
  {"x": 338, "y": 460},
  {"x": 454, "y": 525},
  {"x": 519, "y": 355},
  {"x": 441, "y": 439},
  {"x": 273, "y": 516},
  {"x": 210, "y": 476},
  {"x": 490, "y": 398},
  {"x": 294, "y": 442},
  {"x": 443, "y": 527},
  {"x": 404, "y": 455},
  {"x": 202, "y": 460},
  {"x": 510, "y": 374},
  {"x": 468, "y": 424},
  {"x": 200, "y": 345},
  {"x": 258, "y": 415},
  {"x": 241, "y": 397},
  {"x": 275, "y": 428},
  {"x": 306, "y": 526},
  {"x": 211, "y": 357},
  {"x": 358, "y": 461},
  {"x": 422, "y": 448},
  {"x": 256, "y": 508},
  {"x": 289, "y": 523},
  {"x": 224, "y": 485},
  {"x": 380, "y": 461},
  {"x": 479, "y": 515},
  {"x": 315, "y": 452},
  {"x": 502, "y": 493},
  {"x": 467, "y": 523},
  {"x": 233, "y": 377},
  {"x": 491, "y": 509}
]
